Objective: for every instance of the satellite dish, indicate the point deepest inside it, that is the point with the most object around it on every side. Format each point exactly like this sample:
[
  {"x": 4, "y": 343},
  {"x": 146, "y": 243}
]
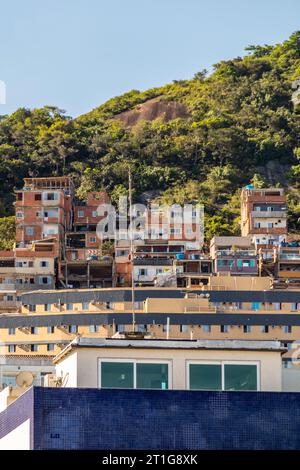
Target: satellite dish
[{"x": 24, "y": 379}]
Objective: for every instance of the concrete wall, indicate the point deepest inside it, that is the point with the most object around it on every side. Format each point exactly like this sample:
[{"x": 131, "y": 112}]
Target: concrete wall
[
  {"x": 291, "y": 379},
  {"x": 86, "y": 374}
]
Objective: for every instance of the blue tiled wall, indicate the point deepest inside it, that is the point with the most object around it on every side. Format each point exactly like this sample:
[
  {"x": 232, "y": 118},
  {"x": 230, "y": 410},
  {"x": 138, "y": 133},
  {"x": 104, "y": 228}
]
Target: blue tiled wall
[{"x": 142, "y": 419}]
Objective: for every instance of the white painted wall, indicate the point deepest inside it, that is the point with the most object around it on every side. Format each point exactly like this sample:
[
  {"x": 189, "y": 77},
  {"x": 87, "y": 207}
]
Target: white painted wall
[
  {"x": 87, "y": 359},
  {"x": 18, "y": 439},
  {"x": 68, "y": 370}
]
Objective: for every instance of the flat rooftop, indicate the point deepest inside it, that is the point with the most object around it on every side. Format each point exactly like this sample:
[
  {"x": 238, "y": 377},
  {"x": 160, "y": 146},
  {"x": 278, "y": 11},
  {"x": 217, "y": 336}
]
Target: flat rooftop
[{"x": 81, "y": 342}]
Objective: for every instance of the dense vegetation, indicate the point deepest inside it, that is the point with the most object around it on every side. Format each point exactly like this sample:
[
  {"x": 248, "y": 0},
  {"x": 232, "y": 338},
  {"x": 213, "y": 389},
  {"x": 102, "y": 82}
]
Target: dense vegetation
[{"x": 242, "y": 124}]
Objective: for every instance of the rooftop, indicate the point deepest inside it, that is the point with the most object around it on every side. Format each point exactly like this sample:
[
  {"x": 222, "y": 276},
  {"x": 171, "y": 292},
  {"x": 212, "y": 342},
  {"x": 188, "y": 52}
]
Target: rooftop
[{"x": 80, "y": 342}]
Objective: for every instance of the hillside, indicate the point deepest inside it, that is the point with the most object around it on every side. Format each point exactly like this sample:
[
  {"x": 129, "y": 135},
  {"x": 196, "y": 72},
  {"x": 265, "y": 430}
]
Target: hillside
[{"x": 199, "y": 139}]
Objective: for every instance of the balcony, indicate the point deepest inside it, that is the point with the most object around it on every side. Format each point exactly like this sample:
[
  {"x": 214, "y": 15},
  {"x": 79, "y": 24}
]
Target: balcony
[
  {"x": 152, "y": 262},
  {"x": 269, "y": 214},
  {"x": 289, "y": 256},
  {"x": 10, "y": 305},
  {"x": 236, "y": 253},
  {"x": 7, "y": 287}
]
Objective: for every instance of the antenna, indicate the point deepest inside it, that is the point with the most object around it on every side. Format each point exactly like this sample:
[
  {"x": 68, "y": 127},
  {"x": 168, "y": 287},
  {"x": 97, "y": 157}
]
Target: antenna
[
  {"x": 131, "y": 248},
  {"x": 24, "y": 379}
]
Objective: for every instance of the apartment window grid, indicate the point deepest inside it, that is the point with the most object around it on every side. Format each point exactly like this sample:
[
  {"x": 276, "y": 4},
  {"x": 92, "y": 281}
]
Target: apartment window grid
[{"x": 12, "y": 348}]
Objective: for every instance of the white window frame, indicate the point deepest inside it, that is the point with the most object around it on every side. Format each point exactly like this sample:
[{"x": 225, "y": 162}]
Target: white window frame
[
  {"x": 222, "y": 363},
  {"x": 135, "y": 362}
]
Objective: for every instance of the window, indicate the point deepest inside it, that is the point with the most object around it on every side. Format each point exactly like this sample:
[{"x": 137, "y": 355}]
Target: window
[
  {"x": 120, "y": 328},
  {"x": 153, "y": 376},
  {"x": 165, "y": 328},
  {"x": 117, "y": 375},
  {"x": 29, "y": 231},
  {"x": 247, "y": 328},
  {"x": 270, "y": 225},
  {"x": 34, "y": 330},
  {"x": 12, "y": 348},
  {"x": 223, "y": 376},
  {"x": 73, "y": 328},
  {"x": 47, "y": 307},
  {"x": 11, "y": 331},
  {"x": 143, "y": 272},
  {"x": 50, "y": 347},
  {"x": 19, "y": 215},
  {"x": 240, "y": 377},
  {"x": 38, "y": 214},
  {"x": 32, "y": 308},
  {"x": 134, "y": 374},
  {"x": 206, "y": 328},
  {"x": 38, "y": 197},
  {"x": 34, "y": 347},
  {"x": 205, "y": 377},
  {"x": 93, "y": 328},
  {"x": 44, "y": 264},
  {"x": 94, "y": 213},
  {"x": 19, "y": 196},
  {"x": 142, "y": 328},
  {"x": 246, "y": 263},
  {"x": 93, "y": 239},
  {"x": 51, "y": 213},
  {"x": 255, "y": 305},
  {"x": 257, "y": 225},
  {"x": 45, "y": 280},
  {"x": 69, "y": 306},
  {"x": 294, "y": 306},
  {"x": 50, "y": 330},
  {"x": 176, "y": 231},
  {"x": 85, "y": 305},
  {"x": 287, "y": 329},
  {"x": 224, "y": 328},
  {"x": 225, "y": 262},
  {"x": 50, "y": 196},
  {"x": 184, "y": 328},
  {"x": 9, "y": 298},
  {"x": 265, "y": 329},
  {"x": 80, "y": 213}
]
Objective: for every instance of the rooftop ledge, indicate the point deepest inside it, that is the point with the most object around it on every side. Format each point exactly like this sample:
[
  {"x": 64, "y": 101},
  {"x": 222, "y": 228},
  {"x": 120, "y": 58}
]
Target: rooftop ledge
[{"x": 81, "y": 342}]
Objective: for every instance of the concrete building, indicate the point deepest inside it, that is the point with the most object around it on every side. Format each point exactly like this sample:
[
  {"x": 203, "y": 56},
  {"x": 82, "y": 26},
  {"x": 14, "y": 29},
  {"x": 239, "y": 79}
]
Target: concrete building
[
  {"x": 235, "y": 256},
  {"x": 167, "y": 365},
  {"x": 242, "y": 309},
  {"x": 264, "y": 217}
]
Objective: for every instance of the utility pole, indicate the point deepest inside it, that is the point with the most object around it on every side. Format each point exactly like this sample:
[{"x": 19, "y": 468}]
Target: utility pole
[{"x": 131, "y": 249}]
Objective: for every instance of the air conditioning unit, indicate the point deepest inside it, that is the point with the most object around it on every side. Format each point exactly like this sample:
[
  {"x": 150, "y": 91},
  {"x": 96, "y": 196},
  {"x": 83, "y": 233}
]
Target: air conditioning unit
[{"x": 50, "y": 380}]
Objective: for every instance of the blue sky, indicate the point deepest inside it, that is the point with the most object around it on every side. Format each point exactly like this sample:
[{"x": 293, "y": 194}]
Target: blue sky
[{"x": 76, "y": 54}]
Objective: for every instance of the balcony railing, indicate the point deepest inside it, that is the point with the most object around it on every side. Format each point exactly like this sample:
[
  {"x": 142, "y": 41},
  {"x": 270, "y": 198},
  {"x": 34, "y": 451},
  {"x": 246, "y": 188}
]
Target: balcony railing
[
  {"x": 293, "y": 257},
  {"x": 269, "y": 214},
  {"x": 236, "y": 253}
]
